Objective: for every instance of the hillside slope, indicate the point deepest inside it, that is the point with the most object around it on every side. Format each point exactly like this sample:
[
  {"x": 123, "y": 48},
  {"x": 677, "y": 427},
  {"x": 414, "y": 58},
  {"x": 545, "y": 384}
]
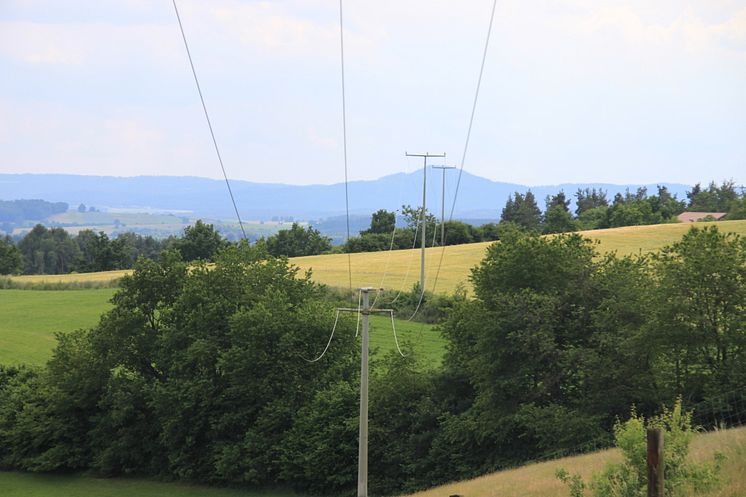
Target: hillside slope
[
  {"x": 399, "y": 269},
  {"x": 537, "y": 480}
]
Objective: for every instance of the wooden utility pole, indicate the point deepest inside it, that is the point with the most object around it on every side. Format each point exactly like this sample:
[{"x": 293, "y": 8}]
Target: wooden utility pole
[
  {"x": 423, "y": 214},
  {"x": 655, "y": 462},
  {"x": 443, "y": 205},
  {"x": 362, "y": 468}
]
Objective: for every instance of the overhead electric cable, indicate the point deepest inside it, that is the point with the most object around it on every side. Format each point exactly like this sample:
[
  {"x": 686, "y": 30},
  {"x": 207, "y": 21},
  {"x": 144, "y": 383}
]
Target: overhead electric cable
[
  {"x": 336, "y": 320},
  {"x": 396, "y": 340},
  {"x": 209, "y": 123},
  {"x": 344, "y": 136},
  {"x": 468, "y": 132}
]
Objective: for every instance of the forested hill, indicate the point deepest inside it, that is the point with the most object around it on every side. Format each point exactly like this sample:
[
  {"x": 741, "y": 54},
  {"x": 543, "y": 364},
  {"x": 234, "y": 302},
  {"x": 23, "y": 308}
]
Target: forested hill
[{"x": 478, "y": 197}]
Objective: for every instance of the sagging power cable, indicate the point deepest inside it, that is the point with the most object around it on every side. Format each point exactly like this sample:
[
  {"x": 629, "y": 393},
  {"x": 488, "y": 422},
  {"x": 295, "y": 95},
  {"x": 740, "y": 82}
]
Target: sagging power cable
[{"x": 209, "y": 123}]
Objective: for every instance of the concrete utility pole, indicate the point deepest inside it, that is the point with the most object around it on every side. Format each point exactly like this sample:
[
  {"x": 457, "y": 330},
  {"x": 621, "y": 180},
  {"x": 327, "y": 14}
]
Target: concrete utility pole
[
  {"x": 362, "y": 468},
  {"x": 425, "y": 156},
  {"x": 443, "y": 205}
]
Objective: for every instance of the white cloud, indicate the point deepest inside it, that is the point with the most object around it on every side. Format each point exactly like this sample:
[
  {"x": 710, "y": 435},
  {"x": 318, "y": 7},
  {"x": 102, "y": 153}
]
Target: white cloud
[{"x": 91, "y": 44}]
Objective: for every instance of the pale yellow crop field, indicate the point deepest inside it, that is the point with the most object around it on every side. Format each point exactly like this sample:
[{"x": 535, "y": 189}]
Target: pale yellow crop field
[
  {"x": 400, "y": 269},
  {"x": 538, "y": 480},
  {"x": 100, "y": 277}
]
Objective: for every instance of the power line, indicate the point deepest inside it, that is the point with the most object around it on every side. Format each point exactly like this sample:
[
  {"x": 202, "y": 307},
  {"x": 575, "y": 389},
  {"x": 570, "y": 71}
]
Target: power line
[
  {"x": 344, "y": 136},
  {"x": 474, "y": 107},
  {"x": 468, "y": 133},
  {"x": 328, "y": 343},
  {"x": 209, "y": 123}
]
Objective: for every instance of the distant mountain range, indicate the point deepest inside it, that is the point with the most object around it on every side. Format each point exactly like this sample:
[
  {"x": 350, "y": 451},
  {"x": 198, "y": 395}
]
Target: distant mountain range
[{"x": 478, "y": 198}]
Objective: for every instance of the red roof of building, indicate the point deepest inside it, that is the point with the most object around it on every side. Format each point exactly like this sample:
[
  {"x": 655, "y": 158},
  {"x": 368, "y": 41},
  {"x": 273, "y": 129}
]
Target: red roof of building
[{"x": 691, "y": 217}]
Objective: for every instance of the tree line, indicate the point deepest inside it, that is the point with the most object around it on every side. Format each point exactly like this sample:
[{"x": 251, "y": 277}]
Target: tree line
[
  {"x": 593, "y": 210},
  {"x": 198, "y": 372},
  {"x": 55, "y": 251}
]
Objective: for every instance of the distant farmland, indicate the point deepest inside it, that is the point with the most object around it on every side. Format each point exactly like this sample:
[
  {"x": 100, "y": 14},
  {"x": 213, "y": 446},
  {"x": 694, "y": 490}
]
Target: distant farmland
[{"x": 400, "y": 269}]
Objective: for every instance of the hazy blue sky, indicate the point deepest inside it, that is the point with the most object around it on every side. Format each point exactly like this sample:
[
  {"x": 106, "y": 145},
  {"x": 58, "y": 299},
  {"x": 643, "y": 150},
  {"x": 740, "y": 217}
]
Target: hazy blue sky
[{"x": 574, "y": 90}]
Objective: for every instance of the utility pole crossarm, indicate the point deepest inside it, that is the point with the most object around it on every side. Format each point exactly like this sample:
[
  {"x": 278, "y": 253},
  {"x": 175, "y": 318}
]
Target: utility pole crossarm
[{"x": 425, "y": 156}]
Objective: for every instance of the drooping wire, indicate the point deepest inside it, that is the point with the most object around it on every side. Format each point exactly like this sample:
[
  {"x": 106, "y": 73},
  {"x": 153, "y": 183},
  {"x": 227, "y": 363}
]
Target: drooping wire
[
  {"x": 209, "y": 123},
  {"x": 359, "y": 300},
  {"x": 396, "y": 340},
  {"x": 468, "y": 134},
  {"x": 344, "y": 136},
  {"x": 336, "y": 320}
]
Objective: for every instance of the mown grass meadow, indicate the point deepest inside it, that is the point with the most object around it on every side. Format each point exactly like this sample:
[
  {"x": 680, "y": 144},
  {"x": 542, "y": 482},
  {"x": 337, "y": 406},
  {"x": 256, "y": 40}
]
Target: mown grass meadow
[{"x": 30, "y": 319}]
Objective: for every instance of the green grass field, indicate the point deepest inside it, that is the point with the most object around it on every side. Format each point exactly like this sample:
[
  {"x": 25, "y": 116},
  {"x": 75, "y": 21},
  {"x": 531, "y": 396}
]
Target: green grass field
[
  {"x": 30, "y": 318},
  {"x": 532, "y": 480},
  {"x": 36, "y": 485}
]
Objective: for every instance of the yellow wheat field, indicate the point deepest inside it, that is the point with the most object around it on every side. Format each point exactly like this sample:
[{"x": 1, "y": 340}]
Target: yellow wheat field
[{"x": 400, "y": 269}]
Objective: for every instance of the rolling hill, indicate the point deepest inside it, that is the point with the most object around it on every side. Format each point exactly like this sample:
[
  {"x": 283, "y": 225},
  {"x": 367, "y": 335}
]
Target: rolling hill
[
  {"x": 400, "y": 268},
  {"x": 203, "y": 197}
]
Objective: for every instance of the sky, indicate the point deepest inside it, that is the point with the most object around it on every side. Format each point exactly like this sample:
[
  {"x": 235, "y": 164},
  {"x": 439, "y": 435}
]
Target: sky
[{"x": 611, "y": 91}]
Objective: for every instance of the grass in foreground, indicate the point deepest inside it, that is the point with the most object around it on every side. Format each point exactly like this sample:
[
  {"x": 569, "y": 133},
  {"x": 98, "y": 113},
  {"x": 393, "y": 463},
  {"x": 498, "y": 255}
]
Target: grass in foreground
[
  {"x": 36, "y": 485},
  {"x": 538, "y": 480},
  {"x": 30, "y": 318}
]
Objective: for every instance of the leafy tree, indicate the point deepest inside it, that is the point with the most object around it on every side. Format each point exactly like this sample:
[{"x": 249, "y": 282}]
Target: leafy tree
[
  {"x": 48, "y": 251},
  {"x": 738, "y": 209},
  {"x": 11, "y": 261},
  {"x": 640, "y": 208},
  {"x": 712, "y": 199},
  {"x": 557, "y": 218},
  {"x": 522, "y": 210},
  {"x": 96, "y": 252},
  {"x": 588, "y": 199},
  {"x": 413, "y": 219},
  {"x": 82, "y": 208},
  {"x": 458, "y": 232},
  {"x": 200, "y": 241},
  {"x": 667, "y": 205},
  {"x": 382, "y": 222},
  {"x": 298, "y": 241},
  {"x": 699, "y": 323},
  {"x": 594, "y": 218}
]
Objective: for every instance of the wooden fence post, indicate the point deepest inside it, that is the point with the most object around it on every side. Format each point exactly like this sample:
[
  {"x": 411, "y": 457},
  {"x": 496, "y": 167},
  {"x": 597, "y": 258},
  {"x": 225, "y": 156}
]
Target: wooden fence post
[{"x": 655, "y": 462}]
